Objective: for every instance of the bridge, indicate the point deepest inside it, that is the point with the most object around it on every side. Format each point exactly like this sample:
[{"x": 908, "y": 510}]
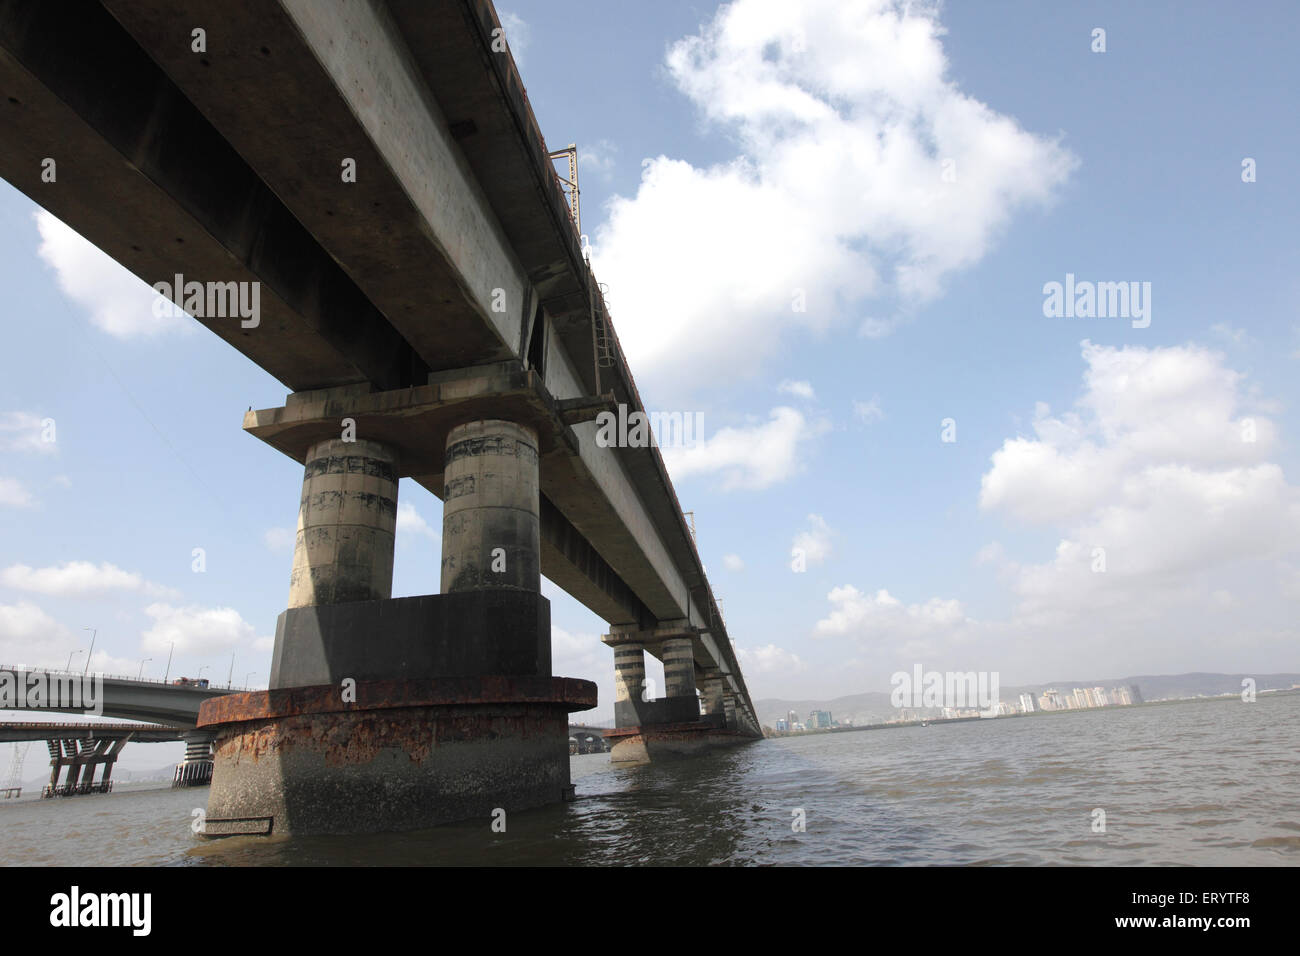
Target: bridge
[
  {"x": 371, "y": 176},
  {"x": 126, "y": 698},
  {"x": 170, "y": 710},
  {"x": 587, "y": 740},
  {"x": 82, "y": 747}
]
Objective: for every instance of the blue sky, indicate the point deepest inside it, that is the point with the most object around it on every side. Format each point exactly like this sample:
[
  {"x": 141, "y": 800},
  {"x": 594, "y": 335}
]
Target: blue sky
[{"x": 733, "y": 158}]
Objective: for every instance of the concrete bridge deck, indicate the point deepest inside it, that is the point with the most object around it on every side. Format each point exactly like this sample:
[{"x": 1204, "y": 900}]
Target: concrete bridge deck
[
  {"x": 126, "y": 698},
  {"x": 17, "y": 731}
]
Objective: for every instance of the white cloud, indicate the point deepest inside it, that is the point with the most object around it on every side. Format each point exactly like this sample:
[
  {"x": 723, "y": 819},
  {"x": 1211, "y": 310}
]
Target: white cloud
[
  {"x": 868, "y": 412},
  {"x": 873, "y": 328},
  {"x": 280, "y": 539},
  {"x": 842, "y": 115},
  {"x": 769, "y": 659},
  {"x": 1141, "y": 409},
  {"x": 798, "y": 389},
  {"x": 753, "y": 456},
  {"x": 24, "y": 432},
  {"x": 1155, "y": 449},
  {"x": 1176, "y": 539},
  {"x": 79, "y": 579},
  {"x": 1160, "y": 506},
  {"x": 517, "y": 34},
  {"x": 119, "y": 303},
  {"x": 198, "y": 630},
  {"x": 597, "y": 157},
  {"x": 892, "y": 629},
  {"x": 14, "y": 495},
  {"x": 733, "y": 562},
  {"x": 1234, "y": 335},
  {"x": 815, "y": 541},
  {"x": 31, "y": 637},
  {"x": 409, "y": 521}
]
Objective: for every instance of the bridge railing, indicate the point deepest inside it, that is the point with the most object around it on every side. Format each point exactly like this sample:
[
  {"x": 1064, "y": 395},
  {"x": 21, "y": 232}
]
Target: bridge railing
[{"x": 135, "y": 680}]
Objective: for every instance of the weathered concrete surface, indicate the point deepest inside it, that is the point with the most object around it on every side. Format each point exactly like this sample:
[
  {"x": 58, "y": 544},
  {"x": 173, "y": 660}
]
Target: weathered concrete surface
[
  {"x": 678, "y": 655},
  {"x": 711, "y": 689},
  {"x": 406, "y": 755},
  {"x": 629, "y": 673},
  {"x": 490, "y": 527},
  {"x": 638, "y": 745},
  {"x": 468, "y": 633},
  {"x": 417, "y": 421},
  {"x": 347, "y": 521},
  {"x": 660, "y": 710}
]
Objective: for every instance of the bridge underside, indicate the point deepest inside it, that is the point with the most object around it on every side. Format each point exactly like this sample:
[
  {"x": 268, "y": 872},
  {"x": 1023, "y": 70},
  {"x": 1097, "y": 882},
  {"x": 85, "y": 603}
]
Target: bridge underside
[{"x": 439, "y": 302}]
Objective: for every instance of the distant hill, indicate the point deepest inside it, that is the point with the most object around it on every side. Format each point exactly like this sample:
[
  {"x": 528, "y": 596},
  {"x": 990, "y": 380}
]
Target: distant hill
[{"x": 875, "y": 707}]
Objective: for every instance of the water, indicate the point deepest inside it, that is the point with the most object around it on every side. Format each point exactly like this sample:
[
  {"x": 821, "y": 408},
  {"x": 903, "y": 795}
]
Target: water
[{"x": 1200, "y": 783}]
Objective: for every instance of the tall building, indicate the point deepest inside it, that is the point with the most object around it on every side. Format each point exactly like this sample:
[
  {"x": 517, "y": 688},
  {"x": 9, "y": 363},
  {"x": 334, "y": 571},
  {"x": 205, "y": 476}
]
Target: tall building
[
  {"x": 1027, "y": 703},
  {"x": 1099, "y": 698},
  {"x": 791, "y": 719}
]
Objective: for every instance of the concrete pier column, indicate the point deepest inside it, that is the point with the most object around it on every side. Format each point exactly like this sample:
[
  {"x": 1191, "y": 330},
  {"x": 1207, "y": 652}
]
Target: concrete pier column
[
  {"x": 679, "y": 667},
  {"x": 491, "y": 536},
  {"x": 729, "y": 708},
  {"x": 452, "y": 712},
  {"x": 347, "y": 517},
  {"x": 711, "y": 692},
  {"x": 56, "y": 761},
  {"x": 629, "y": 676}
]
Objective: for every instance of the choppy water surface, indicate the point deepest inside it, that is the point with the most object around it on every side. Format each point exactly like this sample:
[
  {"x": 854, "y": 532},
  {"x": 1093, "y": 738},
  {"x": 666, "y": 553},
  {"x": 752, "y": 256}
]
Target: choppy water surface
[{"x": 1203, "y": 782}]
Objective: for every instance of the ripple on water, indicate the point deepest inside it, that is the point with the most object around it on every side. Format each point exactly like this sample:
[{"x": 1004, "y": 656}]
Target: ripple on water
[{"x": 996, "y": 793}]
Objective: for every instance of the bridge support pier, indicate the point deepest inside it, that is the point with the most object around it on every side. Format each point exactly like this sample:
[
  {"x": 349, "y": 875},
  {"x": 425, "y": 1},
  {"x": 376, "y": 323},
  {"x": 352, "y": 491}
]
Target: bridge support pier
[
  {"x": 196, "y": 769},
  {"x": 81, "y": 756},
  {"x": 347, "y": 518},
  {"x": 395, "y": 714},
  {"x": 673, "y": 725},
  {"x": 711, "y": 690}
]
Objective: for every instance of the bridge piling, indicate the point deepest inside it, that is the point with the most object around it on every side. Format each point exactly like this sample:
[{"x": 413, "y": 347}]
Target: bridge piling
[
  {"x": 673, "y": 725},
  {"x": 393, "y": 714}
]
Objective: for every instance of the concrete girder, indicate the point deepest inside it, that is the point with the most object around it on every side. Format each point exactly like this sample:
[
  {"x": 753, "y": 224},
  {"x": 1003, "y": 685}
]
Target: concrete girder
[
  {"x": 338, "y": 80},
  {"x": 135, "y": 175}
]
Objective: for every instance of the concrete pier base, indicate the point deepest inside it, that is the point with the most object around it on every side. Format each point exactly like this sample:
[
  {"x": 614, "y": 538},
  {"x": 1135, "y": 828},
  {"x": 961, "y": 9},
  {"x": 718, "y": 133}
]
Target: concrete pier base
[
  {"x": 196, "y": 769},
  {"x": 405, "y": 755},
  {"x": 638, "y": 745}
]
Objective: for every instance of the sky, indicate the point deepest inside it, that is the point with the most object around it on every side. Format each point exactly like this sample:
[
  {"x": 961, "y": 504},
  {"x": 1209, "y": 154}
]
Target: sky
[{"x": 828, "y": 228}]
